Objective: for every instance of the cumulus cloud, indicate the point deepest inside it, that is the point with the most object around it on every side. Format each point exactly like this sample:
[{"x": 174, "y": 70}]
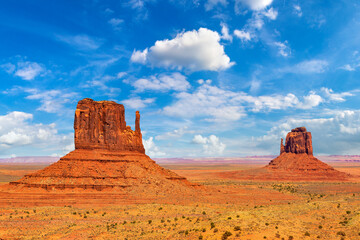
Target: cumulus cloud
[
  {"x": 254, "y": 5},
  {"x": 81, "y": 42},
  {"x": 151, "y": 149},
  {"x": 307, "y": 67},
  {"x": 24, "y": 69},
  {"x": 139, "y": 56},
  {"x": 244, "y": 36},
  {"x": 137, "y": 102},
  {"x": 333, "y": 134},
  {"x": 162, "y": 83},
  {"x": 220, "y": 105},
  {"x": 211, "y": 145},
  {"x": 17, "y": 130},
  {"x": 336, "y": 97},
  {"x": 206, "y": 101},
  {"x": 192, "y": 50}
]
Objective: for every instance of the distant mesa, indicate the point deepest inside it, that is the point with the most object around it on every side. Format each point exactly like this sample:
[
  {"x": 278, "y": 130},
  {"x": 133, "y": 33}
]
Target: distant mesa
[
  {"x": 295, "y": 162},
  {"x": 108, "y": 155}
]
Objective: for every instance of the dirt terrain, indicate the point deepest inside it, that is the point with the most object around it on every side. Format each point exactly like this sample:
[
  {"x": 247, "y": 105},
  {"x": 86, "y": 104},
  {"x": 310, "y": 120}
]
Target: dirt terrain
[{"x": 246, "y": 210}]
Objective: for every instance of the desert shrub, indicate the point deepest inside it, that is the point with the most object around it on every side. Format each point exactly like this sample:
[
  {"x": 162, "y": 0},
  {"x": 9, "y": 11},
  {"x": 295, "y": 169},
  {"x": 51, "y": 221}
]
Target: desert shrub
[
  {"x": 204, "y": 213},
  {"x": 277, "y": 235},
  {"x": 267, "y": 224},
  {"x": 320, "y": 227},
  {"x": 201, "y": 237},
  {"x": 307, "y": 234},
  {"x": 291, "y": 238},
  {"x": 212, "y": 225},
  {"x": 150, "y": 221},
  {"x": 216, "y": 230},
  {"x": 237, "y": 228},
  {"x": 226, "y": 235},
  {"x": 348, "y": 212},
  {"x": 160, "y": 208},
  {"x": 175, "y": 219},
  {"x": 229, "y": 218},
  {"x": 186, "y": 232},
  {"x": 341, "y": 233},
  {"x": 237, "y": 216}
]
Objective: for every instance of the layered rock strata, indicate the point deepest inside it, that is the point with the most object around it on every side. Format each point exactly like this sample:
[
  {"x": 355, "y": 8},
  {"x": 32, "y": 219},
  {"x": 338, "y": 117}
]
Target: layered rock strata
[{"x": 107, "y": 155}]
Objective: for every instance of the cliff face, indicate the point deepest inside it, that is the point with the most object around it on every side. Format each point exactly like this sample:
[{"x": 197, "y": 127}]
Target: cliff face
[
  {"x": 102, "y": 125},
  {"x": 108, "y": 155},
  {"x": 297, "y": 141}
]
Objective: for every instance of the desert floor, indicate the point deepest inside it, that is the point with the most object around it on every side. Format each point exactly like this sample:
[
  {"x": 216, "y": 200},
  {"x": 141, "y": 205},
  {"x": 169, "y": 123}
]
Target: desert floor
[{"x": 265, "y": 210}]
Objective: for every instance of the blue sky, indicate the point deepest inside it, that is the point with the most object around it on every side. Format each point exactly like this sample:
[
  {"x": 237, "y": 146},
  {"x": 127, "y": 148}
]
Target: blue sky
[{"x": 210, "y": 78}]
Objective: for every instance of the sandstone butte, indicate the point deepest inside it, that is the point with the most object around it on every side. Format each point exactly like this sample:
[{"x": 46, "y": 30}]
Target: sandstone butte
[
  {"x": 108, "y": 156},
  {"x": 295, "y": 162}
]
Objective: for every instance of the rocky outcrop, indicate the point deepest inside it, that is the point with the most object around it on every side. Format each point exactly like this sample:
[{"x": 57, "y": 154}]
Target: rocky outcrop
[
  {"x": 295, "y": 163},
  {"x": 102, "y": 125},
  {"x": 107, "y": 155},
  {"x": 297, "y": 141}
]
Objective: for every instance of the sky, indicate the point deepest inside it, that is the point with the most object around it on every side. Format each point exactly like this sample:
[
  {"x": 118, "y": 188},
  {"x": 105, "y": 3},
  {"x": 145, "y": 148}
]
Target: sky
[{"x": 211, "y": 78}]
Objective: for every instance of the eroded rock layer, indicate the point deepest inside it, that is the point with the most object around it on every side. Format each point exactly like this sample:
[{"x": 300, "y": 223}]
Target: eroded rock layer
[
  {"x": 102, "y": 125},
  {"x": 295, "y": 162},
  {"x": 108, "y": 155}
]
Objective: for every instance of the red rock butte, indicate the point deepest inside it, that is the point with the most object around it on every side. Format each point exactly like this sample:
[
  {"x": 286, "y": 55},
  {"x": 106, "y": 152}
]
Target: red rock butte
[
  {"x": 295, "y": 162},
  {"x": 108, "y": 155}
]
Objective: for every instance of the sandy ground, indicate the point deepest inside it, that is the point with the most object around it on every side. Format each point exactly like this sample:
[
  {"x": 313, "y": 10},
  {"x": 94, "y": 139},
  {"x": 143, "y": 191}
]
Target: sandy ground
[{"x": 248, "y": 210}]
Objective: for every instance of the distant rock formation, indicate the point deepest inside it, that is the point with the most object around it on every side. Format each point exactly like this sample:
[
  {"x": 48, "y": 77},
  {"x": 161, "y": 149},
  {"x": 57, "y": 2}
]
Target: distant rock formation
[
  {"x": 108, "y": 155},
  {"x": 295, "y": 162},
  {"x": 297, "y": 141}
]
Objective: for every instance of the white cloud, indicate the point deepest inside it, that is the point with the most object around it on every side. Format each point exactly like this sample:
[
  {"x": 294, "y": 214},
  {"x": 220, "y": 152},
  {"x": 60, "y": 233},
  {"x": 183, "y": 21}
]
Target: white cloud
[
  {"x": 162, "y": 83},
  {"x": 191, "y": 50},
  {"x": 337, "y": 134},
  {"x": 307, "y": 67},
  {"x": 254, "y": 5},
  {"x": 211, "y": 145},
  {"x": 151, "y": 149},
  {"x": 81, "y": 42},
  {"x": 206, "y": 101},
  {"x": 225, "y": 32},
  {"x": 24, "y": 69},
  {"x": 220, "y": 105},
  {"x": 310, "y": 101},
  {"x": 297, "y": 10},
  {"x": 244, "y": 36},
  {"x": 348, "y": 67},
  {"x": 116, "y": 23},
  {"x": 139, "y": 56},
  {"x": 177, "y": 133},
  {"x": 51, "y": 100},
  {"x": 284, "y": 49},
  {"x": 17, "y": 130},
  {"x": 137, "y": 102},
  {"x": 337, "y": 97},
  {"x": 210, "y": 4},
  {"x": 8, "y": 67},
  {"x": 271, "y": 13}
]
